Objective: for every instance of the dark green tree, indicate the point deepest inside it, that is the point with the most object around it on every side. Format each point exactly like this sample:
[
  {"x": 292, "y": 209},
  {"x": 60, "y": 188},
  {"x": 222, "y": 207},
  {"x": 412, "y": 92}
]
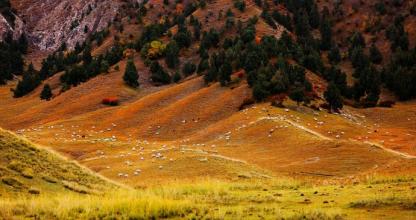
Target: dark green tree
[
  {"x": 297, "y": 94},
  {"x": 188, "y": 69},
  {"x": 225, "y": 73},
  {"x": 375, "y": 55},
  {"x": 46, "y": 93},
  {"x": 333, "y": 97},
  {"x": 172, "y": 55},
  {"x": 159, "y": 75},
  {"x": 326, "y": 33},
  {"x": 131, "y": 77},
  {"x": 177, "y": 77},
  {"x": 334, "y": 55}
]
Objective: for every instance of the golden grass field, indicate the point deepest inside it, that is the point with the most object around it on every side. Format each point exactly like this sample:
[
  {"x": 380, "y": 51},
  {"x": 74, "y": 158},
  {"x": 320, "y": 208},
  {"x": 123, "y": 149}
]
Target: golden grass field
[
  {"x": 221, "y": 163},
  {"x": 72, "y": 192}
]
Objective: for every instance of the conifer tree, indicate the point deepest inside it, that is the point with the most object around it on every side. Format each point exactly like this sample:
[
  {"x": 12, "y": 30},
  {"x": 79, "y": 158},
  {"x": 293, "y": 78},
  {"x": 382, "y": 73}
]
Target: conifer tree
[
  {"x": 333, "y": 97},
  {"x": 225, "y": 73},
  {"x": 172, "y": 54},
  {"x": 375, "y": 55},
  {"x": 159, "y": 75},
  {"x": 297, "y": 95},
  {"x": 46, "y": 93},
  {"x": 131, "y": 77}
]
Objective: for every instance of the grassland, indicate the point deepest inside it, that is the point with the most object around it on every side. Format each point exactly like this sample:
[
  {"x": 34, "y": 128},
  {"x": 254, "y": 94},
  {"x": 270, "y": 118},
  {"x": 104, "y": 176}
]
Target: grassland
[
  {"x": 28, "y": 169},
  {"x": 380, "y": 198}
]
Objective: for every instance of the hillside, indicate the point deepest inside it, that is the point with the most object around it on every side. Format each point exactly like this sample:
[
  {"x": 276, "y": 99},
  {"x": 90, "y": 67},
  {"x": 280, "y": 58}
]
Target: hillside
[
  {"x": 28, "y": 169},
  {"x": 218, "y": 109}
]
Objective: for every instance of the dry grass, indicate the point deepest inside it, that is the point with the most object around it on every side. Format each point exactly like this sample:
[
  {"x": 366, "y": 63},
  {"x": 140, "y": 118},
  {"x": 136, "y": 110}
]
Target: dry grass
[
  {"x": 212, "y": 199},
  {"x": 26, "y": 168}
]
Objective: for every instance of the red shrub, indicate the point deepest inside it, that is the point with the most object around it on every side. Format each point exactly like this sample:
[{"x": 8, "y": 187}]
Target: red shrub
[{"x": 111, "y": 101}]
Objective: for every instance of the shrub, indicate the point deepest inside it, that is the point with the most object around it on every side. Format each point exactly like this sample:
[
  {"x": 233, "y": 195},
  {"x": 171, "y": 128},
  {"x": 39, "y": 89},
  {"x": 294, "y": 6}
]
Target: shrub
[{"x": 111, "y": 101}]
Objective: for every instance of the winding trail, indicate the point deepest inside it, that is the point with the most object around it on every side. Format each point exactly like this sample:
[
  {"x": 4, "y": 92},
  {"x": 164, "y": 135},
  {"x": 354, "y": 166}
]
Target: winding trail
[
  {"x": 317, "y": 134},
  {"x": 297, "y": 125}
]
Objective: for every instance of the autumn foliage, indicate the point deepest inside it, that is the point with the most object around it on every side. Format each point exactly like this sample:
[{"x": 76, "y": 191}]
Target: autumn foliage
[{"x": 111, "y": 101}]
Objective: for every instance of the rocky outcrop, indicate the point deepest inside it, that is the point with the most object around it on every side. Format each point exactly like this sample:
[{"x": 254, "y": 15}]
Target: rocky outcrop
[
  {"x": 49, "y": 23},
  {"x": 16, "y": 28}
]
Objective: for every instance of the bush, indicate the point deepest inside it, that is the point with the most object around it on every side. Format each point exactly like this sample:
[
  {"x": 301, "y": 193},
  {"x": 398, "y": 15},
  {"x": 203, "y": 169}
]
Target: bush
[{"x": 111, "y": 101}]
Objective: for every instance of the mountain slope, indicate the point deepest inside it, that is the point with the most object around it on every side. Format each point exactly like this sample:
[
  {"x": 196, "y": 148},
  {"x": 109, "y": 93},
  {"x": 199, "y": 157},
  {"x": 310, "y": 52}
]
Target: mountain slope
[{"x": 50, "y": 23}]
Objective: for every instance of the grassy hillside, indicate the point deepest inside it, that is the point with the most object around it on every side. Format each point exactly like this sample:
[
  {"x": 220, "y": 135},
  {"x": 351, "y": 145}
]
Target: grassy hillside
[{"x": 27, "y": 169}]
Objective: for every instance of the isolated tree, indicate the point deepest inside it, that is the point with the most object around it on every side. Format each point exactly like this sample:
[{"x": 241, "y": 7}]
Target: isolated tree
[
  {"x": 333, "y": 97},
  {"x": 46, "y": 93},
  {"x": 131, "y": 77}
]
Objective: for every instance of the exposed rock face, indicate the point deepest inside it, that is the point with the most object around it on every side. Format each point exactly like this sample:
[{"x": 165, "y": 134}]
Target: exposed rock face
[
  {"x": 16, "y": 29},
  {"x": 49, "y": 23}
]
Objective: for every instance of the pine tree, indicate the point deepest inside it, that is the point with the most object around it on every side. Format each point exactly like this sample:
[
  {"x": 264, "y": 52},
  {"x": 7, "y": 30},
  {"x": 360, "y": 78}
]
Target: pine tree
[
  {"x": 177, "y": 77},
  {"x": 172, "y": 54},
  {"x": 188, "y": 69},
  {"x": 375, "y": 55},
  {"x": 159, "y": 75},
  {"x": 334, "y": 55},
  {"x": 46, "y": 93},
  {"x": 225, "y": 73},
  {"x": 29, "y": 82},
  {"x": 333, "y": 97},
  {"x": 23, "y": 44},
  {"x": 131, "y": 77},
  {"x": 297, "y": 95},
  {"x": 326, "y": 33}
]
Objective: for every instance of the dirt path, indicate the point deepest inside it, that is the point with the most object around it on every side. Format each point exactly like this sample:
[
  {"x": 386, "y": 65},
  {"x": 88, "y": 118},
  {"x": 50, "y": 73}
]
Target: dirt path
[
  {"x": 297, "y": 125},
  {"x": 317, "y": 134},
  {"x": 404, "y": 155}
]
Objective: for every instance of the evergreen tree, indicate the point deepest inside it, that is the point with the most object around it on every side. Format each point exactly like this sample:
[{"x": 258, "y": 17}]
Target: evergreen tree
[
  {"x": 188, "y": 69},
  {"x": 326, "y": 33},
  {"x": 86, "y": 55},
  {"x": 23, "y": 44},
  {"x": 131, "y": 77},
  {"x": 302, "y": 27},
  {"x": 46, "y": 93},
  {"x": 29, "y": 82},
  {"x": 172, "y": 54},
  {"x": 184, "y": 37},
  {"x": 375, "y": 55},
  {"x": 334, "y": 55},
  {"x": 333, "y": 97},
  {"x": 225, "y": 73},
  {"x": 314, "y": 16},
  {"x": 297, "y": 95},
  {"x": 177, "y": 77},
  {"x": 159, "y": 75}
]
